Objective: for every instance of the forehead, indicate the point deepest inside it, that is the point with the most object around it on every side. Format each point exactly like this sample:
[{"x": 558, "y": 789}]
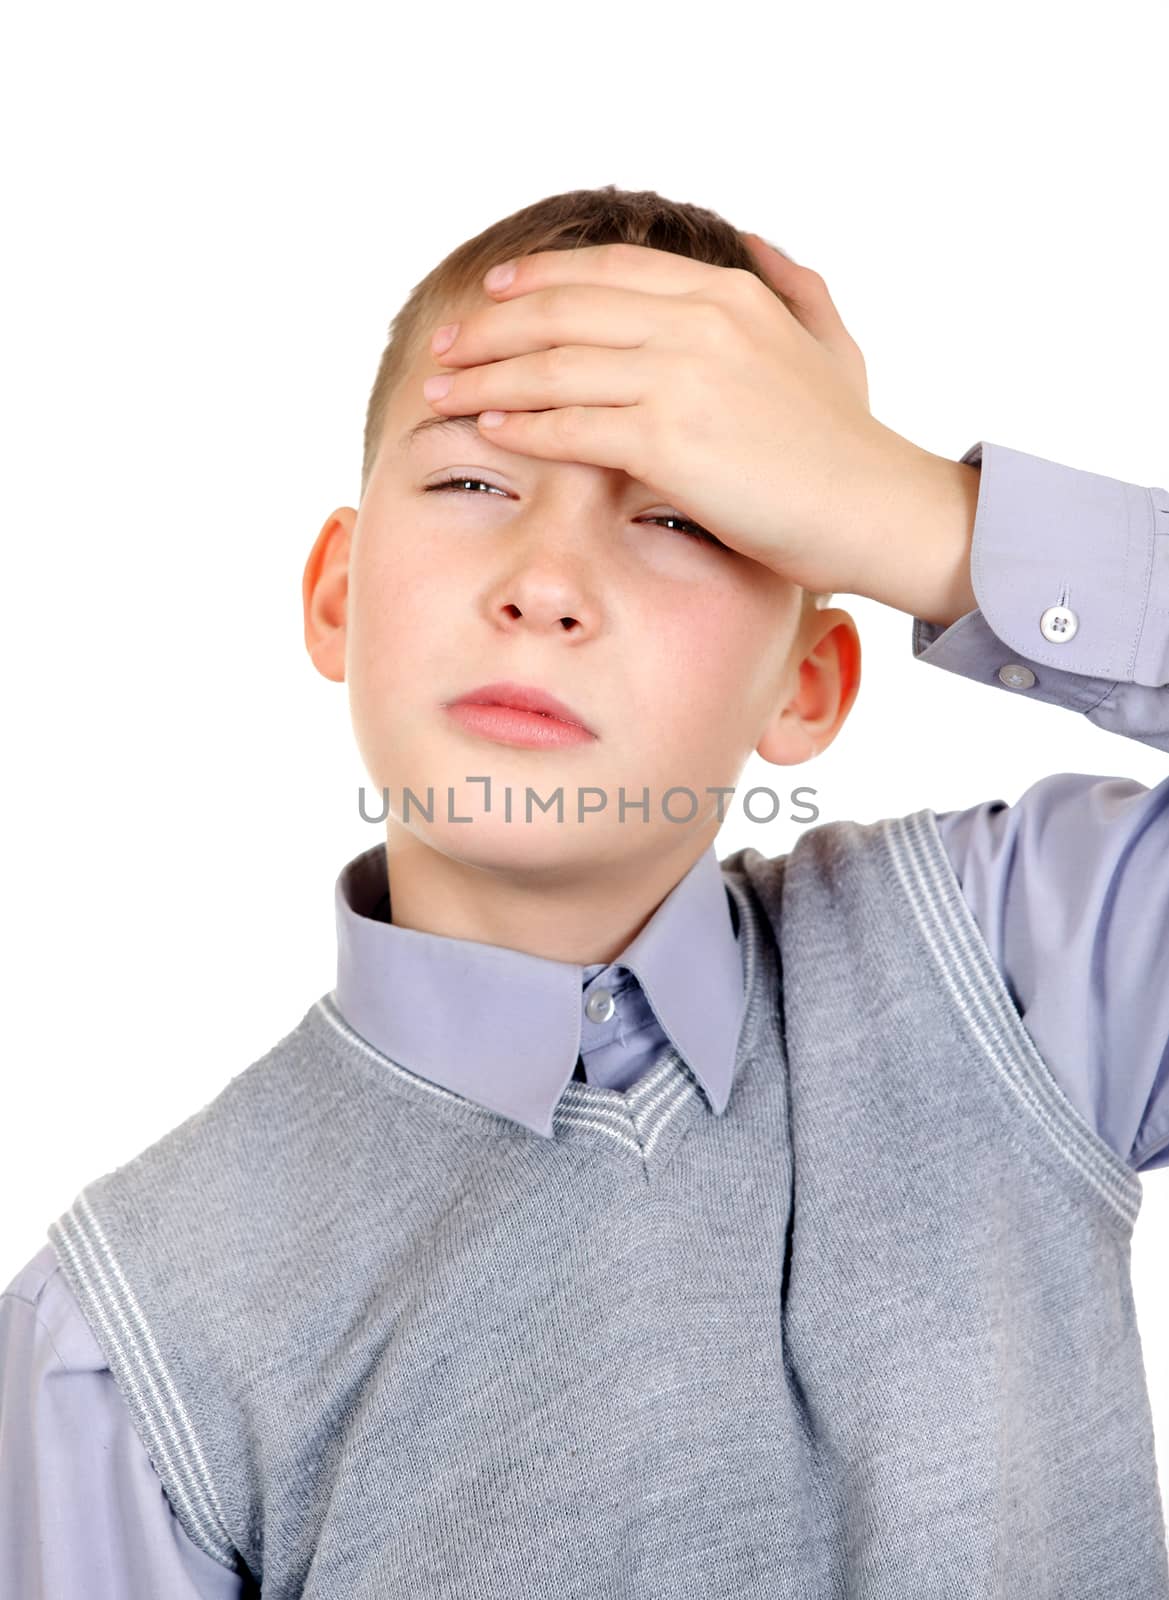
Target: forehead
[
  {"x": 458, "y": 309},
  {"x": 406, "y": 402}
]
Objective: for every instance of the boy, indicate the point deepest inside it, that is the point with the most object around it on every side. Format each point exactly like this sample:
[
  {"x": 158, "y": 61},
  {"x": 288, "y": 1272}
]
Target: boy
[{"x": 627, "y": 1221}]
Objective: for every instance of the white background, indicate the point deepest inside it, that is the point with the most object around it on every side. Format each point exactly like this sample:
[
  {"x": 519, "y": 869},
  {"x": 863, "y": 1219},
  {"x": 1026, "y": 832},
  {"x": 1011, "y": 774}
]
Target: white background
[{"x": 213, "y": 214}]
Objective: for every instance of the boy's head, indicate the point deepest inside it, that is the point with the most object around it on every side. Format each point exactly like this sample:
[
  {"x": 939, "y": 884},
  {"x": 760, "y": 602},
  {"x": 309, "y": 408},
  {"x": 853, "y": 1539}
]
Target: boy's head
[{"x": 681, "y": 655}]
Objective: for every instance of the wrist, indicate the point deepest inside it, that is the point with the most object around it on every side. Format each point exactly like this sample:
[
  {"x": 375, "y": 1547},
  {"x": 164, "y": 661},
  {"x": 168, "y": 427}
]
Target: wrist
[{"x": 916, "y": 555}]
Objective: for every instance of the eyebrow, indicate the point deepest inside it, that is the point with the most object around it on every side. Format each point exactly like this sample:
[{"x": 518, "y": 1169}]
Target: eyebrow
[{"x": 467, "y": 423}]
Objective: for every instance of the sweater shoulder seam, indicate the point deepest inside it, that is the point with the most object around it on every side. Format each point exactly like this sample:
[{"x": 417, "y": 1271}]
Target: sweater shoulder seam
[
  {"x": 980, "y": 997},
  {"x": 160, "y": 1417}
]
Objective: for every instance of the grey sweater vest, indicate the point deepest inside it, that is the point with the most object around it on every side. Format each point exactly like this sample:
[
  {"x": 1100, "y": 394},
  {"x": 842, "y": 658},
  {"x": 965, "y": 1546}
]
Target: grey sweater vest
[{"x": 870, "y": 1333}]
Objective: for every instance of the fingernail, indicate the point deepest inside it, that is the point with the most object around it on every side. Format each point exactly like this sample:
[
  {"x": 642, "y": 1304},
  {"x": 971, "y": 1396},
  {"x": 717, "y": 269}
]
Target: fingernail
[
  {"x": 499, "y": 277},
  {"x": 444, "y": 337},
  {"x": 491, "y": 419},
  {"x": 435, "y": 388}
]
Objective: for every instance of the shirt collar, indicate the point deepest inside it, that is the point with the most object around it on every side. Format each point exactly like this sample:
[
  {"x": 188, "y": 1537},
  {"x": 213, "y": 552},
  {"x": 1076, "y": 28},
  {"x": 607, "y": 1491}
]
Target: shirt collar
[{"x": 503, "y": 1028}]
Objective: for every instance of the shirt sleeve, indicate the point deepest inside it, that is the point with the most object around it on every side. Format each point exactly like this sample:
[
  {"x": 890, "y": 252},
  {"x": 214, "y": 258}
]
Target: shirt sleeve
[
  {"x": 82, "y": 1510},
  {"x": 1070, "y": 884},
  {"x": 1071, "y": 573}
]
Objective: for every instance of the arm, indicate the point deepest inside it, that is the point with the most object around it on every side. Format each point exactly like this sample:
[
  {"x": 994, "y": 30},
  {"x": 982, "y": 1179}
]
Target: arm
[
  {"x": 1070, "y": 884},
  {"x": 82, "y": 1511}
]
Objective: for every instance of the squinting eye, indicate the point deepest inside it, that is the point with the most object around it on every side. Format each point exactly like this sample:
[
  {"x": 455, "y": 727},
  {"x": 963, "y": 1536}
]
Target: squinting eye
[
  {"x": 694, "y": 530},
  {"x": 460, "y": 483}
]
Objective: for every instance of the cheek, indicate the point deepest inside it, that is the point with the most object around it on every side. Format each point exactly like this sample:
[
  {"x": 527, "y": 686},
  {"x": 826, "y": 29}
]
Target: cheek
[
  {"x": 708, "y": 654},
  {"x": 393, "y": 661},
  {"x": 391, "y": 601},
  {"x": 713, "y": 674}
]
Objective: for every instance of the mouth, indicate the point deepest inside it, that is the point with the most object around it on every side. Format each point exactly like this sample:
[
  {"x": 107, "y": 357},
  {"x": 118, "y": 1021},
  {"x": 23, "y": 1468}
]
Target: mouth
[{"x": 516, "y": 713}]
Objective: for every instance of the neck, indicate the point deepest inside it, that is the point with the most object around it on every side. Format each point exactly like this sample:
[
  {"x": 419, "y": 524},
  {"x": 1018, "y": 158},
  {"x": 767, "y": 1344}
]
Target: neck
[{"x": 584, "y": 911}]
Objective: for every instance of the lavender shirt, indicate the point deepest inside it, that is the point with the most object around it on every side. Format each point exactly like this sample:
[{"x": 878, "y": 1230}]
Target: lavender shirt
[{"x": 1070, "y": 887}]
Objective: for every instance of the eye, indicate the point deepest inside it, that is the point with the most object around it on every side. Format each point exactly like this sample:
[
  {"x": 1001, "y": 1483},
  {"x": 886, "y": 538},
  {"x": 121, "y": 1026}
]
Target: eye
[
  {"x": 465, "y": 483},
  {"x": 693, "y": 530}
]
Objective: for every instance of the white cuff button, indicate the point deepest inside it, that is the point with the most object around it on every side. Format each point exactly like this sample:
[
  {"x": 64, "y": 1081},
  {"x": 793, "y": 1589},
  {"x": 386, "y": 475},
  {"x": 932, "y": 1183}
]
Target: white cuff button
[
  {"x": 1016, "y": 676},
  {"x": 1059, "y": 624}
]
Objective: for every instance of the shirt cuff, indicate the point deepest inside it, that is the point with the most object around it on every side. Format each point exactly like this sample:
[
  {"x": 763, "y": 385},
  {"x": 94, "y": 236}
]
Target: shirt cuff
[
  {"x": 1071, "y": 572},
  {"x": 971, "y": 648}
]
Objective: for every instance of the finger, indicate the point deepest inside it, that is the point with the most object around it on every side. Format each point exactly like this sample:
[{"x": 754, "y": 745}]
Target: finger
[
  {"x": 560, "y": 314},
  {"x": 785, "y": 255},
  {"x": 804, "y": 292},
  {"x": 569, "y": 375},
  {"x": 599, "y": 436},
  {"x": 621, "y": 265}
]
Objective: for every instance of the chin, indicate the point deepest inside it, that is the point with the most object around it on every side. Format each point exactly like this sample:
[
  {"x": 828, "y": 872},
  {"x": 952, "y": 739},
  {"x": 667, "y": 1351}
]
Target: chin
[{"x": 542, "y": 846}]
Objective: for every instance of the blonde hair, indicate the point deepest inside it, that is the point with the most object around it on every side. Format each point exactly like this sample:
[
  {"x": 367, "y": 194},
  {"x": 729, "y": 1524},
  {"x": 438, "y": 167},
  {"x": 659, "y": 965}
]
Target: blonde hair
[{"x": 560, "y": 222}]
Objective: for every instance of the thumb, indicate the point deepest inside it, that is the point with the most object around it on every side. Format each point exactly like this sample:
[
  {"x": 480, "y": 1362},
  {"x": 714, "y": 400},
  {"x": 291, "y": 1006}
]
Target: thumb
[
  {"x": 806, "y": 296},
  {"x": 803, "y": 291}
]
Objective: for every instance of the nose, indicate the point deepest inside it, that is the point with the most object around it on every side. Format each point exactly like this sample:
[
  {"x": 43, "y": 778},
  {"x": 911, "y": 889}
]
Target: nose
[{"x": 547, "y": 588}]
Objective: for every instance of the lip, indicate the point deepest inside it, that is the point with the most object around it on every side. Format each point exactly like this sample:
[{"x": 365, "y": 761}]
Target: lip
[
  {"x": 518, "y": 713},
  {"x": 521, "y": 697}
]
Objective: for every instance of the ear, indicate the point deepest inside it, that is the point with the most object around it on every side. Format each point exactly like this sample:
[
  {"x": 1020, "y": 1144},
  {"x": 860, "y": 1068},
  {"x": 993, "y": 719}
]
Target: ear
[
  {"x": 325, "y": 592},
  {"x": 827, "y": 675}
]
